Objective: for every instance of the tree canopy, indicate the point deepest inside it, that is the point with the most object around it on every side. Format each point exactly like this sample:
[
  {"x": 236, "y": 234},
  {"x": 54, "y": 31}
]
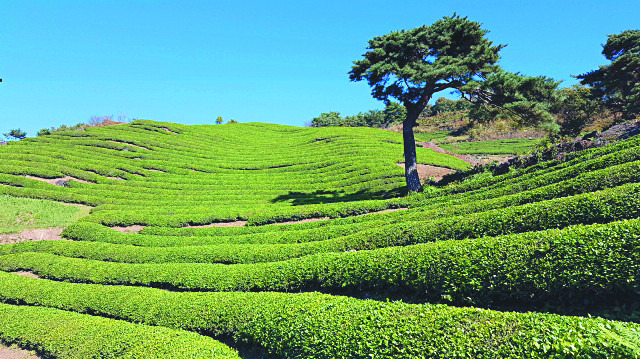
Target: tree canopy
[
  {"x": 412, "y": 65},
  {"x": 618, "y": 84},
  {"x": 17, "y": 133},
  {"x": 453, "y": 53},
  {"x": 523, "y": 98},
  {"x": 575, "y": 109}
]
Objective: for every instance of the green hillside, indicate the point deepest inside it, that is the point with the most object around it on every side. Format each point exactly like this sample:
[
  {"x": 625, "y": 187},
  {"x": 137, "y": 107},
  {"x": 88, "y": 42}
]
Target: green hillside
[{"x": 542, "y": 261}]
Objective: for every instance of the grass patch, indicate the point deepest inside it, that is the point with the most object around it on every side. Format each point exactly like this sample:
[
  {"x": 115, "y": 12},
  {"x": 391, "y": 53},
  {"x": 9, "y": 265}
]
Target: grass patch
[
  {"x": 17, "y": 214},
  {"x": 430, "y": 136},
  {"x": 510, "y": 146}
]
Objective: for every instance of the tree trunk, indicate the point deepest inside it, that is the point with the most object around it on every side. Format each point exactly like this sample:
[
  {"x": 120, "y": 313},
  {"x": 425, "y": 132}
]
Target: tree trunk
[{"x": 410, "y": 163}]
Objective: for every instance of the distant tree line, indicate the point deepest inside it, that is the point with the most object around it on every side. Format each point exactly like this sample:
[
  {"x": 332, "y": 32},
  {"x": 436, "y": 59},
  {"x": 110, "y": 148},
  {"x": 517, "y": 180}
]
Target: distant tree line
[
  {"x": 16, "y": 134},
  {"x": 94, "y": 121},
  {"x": 394, "y": 113},
  {"x": 220, "y": 121}
]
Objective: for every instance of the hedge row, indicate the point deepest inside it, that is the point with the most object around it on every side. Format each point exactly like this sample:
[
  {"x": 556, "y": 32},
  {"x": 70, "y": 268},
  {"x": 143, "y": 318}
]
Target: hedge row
[
  {"x": 100, "y": 152},
  {"x": 486, "y": 179},
  {"x": 538, "y": 179},
  {"x": 574, "y": 266},
  {"x": 507, "y": 196},
  {"x": 570, "y": 183},
  {"x": 604, "y": 206},
  {"x": 56, "y": 333},
  {"x": 322, "y": 326}
]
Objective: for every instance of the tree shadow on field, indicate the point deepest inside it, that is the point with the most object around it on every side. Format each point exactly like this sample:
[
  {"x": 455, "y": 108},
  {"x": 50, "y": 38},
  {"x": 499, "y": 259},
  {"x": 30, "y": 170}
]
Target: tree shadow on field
[{"x": 324, "y": 196}]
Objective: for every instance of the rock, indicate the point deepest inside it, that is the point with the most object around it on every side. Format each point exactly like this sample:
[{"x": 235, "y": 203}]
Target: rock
[{"x": 621, "y": 131}]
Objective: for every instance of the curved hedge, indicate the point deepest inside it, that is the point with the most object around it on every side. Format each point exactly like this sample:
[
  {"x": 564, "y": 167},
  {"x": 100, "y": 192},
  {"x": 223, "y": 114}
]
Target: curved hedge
[
  {"x": 324, "y": 326},
  {"x": 60, "y": 334},
  {"x": 575, "y": 266}
]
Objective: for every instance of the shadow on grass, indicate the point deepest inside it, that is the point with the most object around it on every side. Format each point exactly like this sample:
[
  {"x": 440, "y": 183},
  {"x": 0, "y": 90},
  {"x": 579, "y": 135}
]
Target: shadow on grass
[{"x": 323, "y": 196}]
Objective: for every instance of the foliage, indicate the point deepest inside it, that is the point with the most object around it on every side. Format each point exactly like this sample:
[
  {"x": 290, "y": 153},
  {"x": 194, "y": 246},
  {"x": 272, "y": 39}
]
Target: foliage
[
  {"x": 350, "y": 164},
  {"x": 445, "y": 105},
  {"x": 617, "y": 85},
  {"x": 61, "y": 334},
  {"x": 44, "y": 132},
  {"x": 412, "y": 65},
  {"x": 332, "y": 118},
  {"x": 313, "y": 325},
  {"x": 503, "y": 94},
  {"x": 392, "y": 114},
  {"x": 575, "y": 108},
  {"x": 48, "y": 131},
  {"x": 16, "y": 134},
  {"x": 219, "y": 120}
]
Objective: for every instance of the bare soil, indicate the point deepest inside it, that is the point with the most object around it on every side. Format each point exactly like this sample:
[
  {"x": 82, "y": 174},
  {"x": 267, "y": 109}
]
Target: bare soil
[
  {"x": 128, "y": 229},
  {"x": 14, "y": 352},
  {"x": 25, "y": 274},
  {"x": 426, "y": 171},
  {"x": 219, "y": 224},
  {"x": 168, "y": 130},
  {"x": 57, "y": 181},
  {"x": 303, "y": 221},
  {"x": 47, "y": 234}
]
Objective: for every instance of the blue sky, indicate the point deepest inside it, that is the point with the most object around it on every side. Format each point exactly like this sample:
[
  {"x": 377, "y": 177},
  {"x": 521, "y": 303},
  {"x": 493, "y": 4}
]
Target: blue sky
[{"x": 270, "y": 61}]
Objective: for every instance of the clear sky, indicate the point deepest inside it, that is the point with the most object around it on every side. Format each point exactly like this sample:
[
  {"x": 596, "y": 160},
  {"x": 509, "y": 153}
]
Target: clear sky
[{"x": 63, "y": 61}]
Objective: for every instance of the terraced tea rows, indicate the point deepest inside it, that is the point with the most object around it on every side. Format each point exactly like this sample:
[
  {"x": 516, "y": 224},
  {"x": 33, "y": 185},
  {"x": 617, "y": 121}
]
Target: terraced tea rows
[{"x": 530, "y": 248}]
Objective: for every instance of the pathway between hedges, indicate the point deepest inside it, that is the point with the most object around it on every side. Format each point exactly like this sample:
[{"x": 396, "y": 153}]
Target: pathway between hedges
[
  {"x": 42, "y": 234},
  {"x": 14, "y": 352}
]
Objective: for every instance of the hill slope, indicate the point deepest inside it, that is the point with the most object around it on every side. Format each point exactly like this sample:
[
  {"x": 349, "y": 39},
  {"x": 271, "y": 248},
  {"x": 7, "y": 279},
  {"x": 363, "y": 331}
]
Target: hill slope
[{"x": 494, "y": 266}]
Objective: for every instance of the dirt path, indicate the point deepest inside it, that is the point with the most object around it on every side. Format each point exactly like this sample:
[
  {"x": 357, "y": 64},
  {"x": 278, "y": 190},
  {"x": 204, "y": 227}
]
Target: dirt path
[
  {"x": 46, "y": 234},
  {"x": 219, "y": 224},
  {"x": 25, "y": 274},
  {"x": 62, "y": 182},
  {"x": 128, "y": 229},
  {"x": 14, "y": 352},
  {"x": 426, "y": 171}
]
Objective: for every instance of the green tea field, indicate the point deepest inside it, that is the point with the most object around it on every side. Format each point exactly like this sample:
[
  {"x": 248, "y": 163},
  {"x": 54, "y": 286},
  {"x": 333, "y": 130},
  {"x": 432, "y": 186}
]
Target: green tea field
[{"x": 268, "y": 241}]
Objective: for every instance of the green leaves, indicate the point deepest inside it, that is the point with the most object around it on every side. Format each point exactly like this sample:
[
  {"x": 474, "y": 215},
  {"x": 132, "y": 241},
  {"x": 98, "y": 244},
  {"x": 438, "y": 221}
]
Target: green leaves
[
  {"x": 311, "y": 324},
  {"x": 526, "y": 99},
  {"x": 618, "y": 84},
  {"x": 61, "y": 334},
  {"x": 412, "y": 65}
]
